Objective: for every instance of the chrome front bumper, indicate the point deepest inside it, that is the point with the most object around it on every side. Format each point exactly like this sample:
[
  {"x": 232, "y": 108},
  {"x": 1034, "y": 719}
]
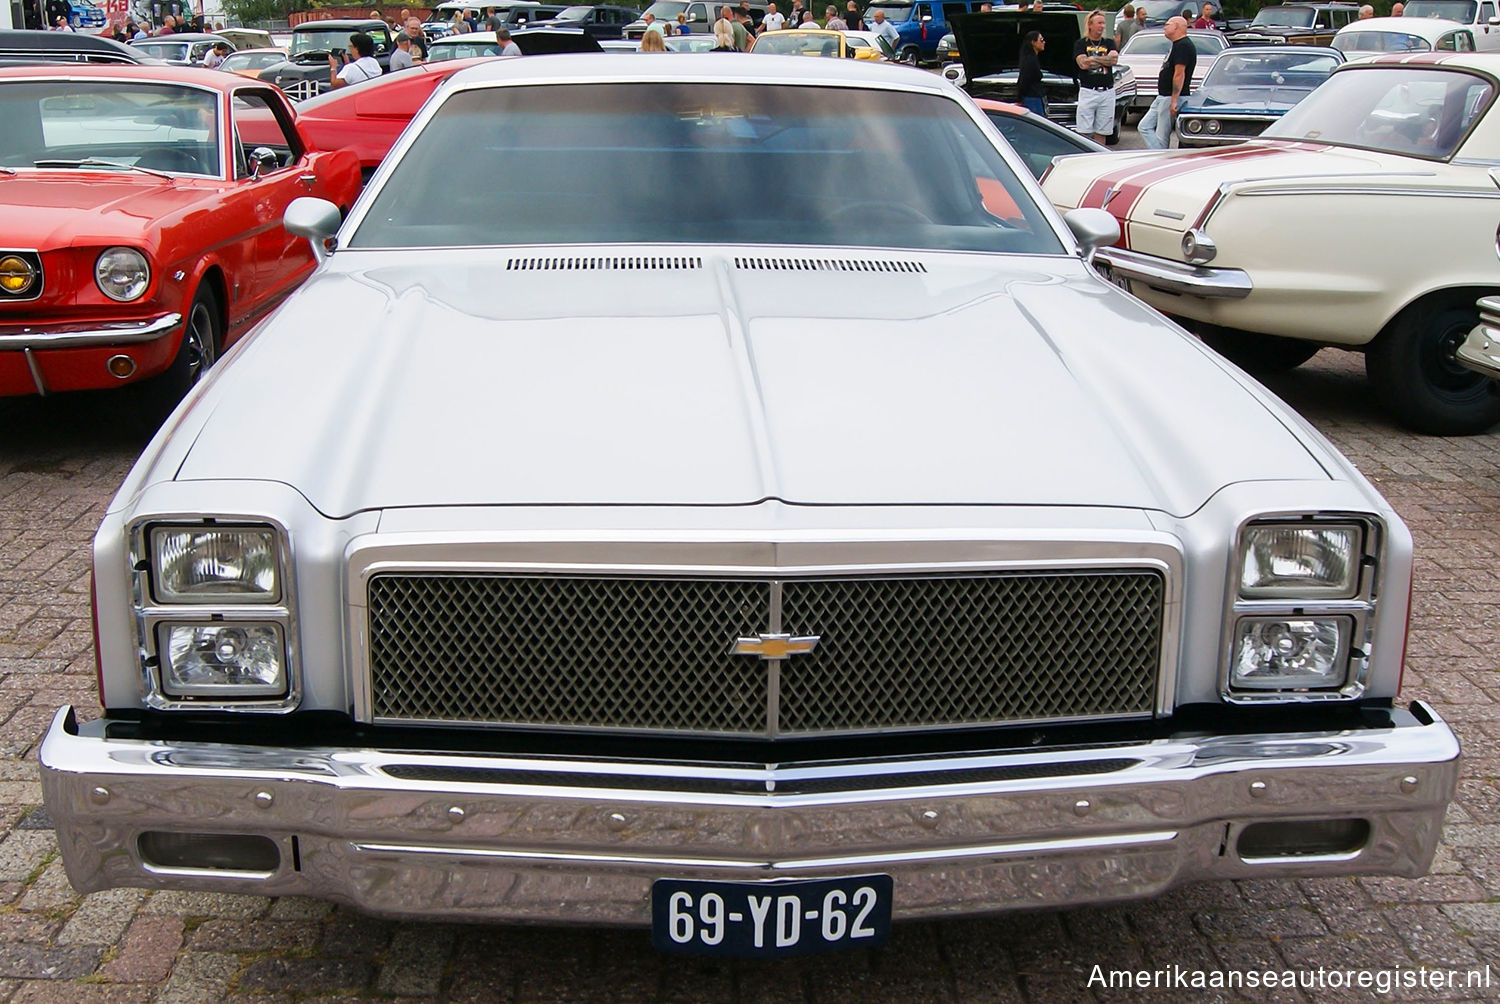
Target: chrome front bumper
[
  {"x": 1175, "y": 276},
  {"x": 555, "y": 840},
  {"x": 1480, "y": 352},
  {"x": 77, "y": 336}
]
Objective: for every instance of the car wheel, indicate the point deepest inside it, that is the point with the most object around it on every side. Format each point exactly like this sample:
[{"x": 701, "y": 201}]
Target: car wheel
[
  {"x": 1413, "y": 368},
  {"x": 1256, "y": 352},
  {"x": 201, "y": 341},
  {"x": 911, "y": 55}
]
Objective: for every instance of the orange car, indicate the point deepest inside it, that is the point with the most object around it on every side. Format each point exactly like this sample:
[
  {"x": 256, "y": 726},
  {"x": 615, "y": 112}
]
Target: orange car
[{"x": 249, "y": 62}]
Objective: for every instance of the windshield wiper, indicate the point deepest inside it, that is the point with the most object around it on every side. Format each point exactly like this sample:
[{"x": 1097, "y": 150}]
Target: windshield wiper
[{"x": 94, "y": 162}]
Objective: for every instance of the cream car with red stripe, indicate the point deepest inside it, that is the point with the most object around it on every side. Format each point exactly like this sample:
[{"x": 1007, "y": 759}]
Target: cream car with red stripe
[{"x": 1366, "y": 219}]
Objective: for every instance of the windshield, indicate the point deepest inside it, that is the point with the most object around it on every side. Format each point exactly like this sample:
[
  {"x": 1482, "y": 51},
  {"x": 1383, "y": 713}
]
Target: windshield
[
  {"x": 573, "y": 13},
  {"x": 1453, "y": 10},
  {"x": 1156, "y": 44},
  {"x": 165, "y": 50},
  {"x": 460, "y": 49},
  {"x": 897, "y": 12},
  {"x": 665, "y": 11},
  {"x": 1379, "y": 41},
  {"x": 1423, "y": 113},
  {"x": 942, "y": 183},
  {"x": 1160, "y": 10},
  {"x": 159, "y": 127},
  {"x": 1263, "y": 69},
  {"x": 1286, "y": 17},
  {"x": 796, "y": 43},
  {"x": 327, "y": 40},
  {"x": 250, "y": 60}
]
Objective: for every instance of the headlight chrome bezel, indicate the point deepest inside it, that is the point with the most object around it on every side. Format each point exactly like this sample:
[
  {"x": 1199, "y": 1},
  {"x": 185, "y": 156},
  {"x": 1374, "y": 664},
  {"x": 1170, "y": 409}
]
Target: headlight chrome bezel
[
  {"x": 1354, "y": 609},
  {"x": 154, "y": 617}
]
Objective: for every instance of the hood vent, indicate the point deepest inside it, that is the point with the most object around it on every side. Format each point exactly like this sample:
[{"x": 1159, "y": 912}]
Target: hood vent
[
  {"x": 827, "y": 265},
  {"x": 631, "y": 263}
]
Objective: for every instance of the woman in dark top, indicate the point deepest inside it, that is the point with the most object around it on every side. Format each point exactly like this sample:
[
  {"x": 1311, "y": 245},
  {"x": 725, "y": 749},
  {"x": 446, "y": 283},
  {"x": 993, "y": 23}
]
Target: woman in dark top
[{"x": 1029, "y": 81}]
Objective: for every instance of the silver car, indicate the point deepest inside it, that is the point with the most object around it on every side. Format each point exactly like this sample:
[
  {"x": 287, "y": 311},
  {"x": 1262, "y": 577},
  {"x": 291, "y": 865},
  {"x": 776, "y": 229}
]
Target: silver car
[{"x": 819, "y": 542}]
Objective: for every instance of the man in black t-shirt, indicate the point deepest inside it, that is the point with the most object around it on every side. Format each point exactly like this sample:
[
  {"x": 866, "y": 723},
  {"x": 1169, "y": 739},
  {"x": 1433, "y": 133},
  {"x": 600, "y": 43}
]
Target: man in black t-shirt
[
  {"x": 1095, "y": 56},
  {"x": 1172, "y": 85}
]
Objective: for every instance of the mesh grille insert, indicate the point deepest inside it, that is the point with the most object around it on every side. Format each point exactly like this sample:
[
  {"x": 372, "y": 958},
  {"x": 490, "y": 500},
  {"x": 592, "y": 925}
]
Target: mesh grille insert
[
  {"x": 653, "y": 654},
  {"x": 827, "y": 265},
  {"x": 631, "y": 263}
]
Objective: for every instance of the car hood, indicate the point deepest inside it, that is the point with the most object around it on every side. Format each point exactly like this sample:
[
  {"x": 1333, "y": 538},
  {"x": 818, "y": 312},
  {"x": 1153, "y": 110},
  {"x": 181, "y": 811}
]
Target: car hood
[
  {"x": 1172, "y": 189},
  {"x": 57, "y": 209},
  {"x": 1248, "y": 99},
  {"x": 991, "y": 43},
  {"x": 418, "y": 379}
]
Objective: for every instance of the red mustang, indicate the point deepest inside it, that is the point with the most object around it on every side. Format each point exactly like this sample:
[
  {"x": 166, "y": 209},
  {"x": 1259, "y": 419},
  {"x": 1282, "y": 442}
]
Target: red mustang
[
  {"x": 142, "y": 210},
  {"x": 367, "y": 119}
]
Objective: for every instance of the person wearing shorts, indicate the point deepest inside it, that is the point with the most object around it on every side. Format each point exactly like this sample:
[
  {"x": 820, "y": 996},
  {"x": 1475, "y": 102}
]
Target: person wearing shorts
[{"x": 1096, "y": 57}]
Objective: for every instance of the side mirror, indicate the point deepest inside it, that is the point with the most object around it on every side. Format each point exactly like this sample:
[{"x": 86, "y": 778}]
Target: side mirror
[
  {"x": 262, "y": 159},
  {"x": 692, "y": 17},
  {"x": 926, "y": 18},
  {"x": 1092, "y": 228},
  {"x": 316, "y": 219},
  {"x": 1493, "y": 20}
]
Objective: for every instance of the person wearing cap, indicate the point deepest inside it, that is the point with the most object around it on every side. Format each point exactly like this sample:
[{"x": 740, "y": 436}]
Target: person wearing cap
[
  {"x": 215, "y": 55},
  {"x": 401, "y": 58}
]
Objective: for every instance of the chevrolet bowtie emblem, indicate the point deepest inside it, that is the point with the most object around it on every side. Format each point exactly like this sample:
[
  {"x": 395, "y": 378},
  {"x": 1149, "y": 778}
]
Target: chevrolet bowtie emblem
[{"x": 774, "y": 646}]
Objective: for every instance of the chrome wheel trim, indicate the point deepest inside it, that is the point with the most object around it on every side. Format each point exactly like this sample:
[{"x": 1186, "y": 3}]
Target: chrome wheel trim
[{"x": 198, "y": 341}]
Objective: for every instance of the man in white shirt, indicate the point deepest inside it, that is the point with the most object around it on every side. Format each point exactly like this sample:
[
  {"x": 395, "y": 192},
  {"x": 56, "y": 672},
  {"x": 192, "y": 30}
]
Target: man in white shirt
[
  {"x": 216, "y": 55},
  {"x": 362, "y": 65},
  {"x": 773, "y": 21},
  {"x": 884, "y": 28}
]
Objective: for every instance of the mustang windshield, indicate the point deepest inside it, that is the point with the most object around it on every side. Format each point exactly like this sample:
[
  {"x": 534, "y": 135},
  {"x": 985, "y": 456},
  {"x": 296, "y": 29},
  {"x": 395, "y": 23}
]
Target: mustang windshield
[
  {"x": 157, "y": 127},
  {"x": 1422, "y": 113},
  {"x": 743, "y": 163},
  {"x": 787, "y": 43}
]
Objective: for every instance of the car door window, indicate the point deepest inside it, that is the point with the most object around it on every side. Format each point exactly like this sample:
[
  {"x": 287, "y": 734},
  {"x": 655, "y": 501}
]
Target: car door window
[
  {"x": 258, "y": 122},
  {"x": 1486, "y": 11},
  {"x": 1448, "y": 43}
]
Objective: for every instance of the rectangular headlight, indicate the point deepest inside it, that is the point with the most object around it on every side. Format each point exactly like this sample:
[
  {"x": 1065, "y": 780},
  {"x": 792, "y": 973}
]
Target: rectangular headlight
[
  {"x": 1299, "y": 562},
  {"x": 228, "y": 659},
  {"x": 212, "y": 564},
  {"x": 1290, "y": 653}
]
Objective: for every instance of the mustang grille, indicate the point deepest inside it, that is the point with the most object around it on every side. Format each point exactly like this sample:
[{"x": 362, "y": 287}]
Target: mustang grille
[{"x": 643, "y": 654}]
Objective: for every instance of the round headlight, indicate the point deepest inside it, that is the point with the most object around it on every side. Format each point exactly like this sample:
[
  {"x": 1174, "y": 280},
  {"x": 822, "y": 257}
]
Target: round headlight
[
  {"x": 16, "y": 275},
  {"x": 122, "y": 274},
  {"x": 1213, "y": 125},
  {"x": 1195, "y": 125}
]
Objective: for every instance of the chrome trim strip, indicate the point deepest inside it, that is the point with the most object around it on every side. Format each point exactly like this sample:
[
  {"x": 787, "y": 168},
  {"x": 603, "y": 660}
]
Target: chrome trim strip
[
  {"x": 1430, "y": 193},
  {"x": 1177, "y": 277},
  {"x": 1028, "y": 847},
  {"x": 123, "y": 333},
  {"x": 371, "y": 556}
]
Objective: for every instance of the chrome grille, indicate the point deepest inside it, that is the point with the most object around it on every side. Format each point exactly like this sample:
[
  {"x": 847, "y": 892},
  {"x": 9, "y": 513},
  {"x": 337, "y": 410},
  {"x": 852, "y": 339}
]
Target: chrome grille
[
  {"x": 644, "y": 654},
  {"x": 578, "y": 652}
]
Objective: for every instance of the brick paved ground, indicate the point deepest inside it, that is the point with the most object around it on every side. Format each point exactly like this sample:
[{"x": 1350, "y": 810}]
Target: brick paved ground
[{"x": 59, "y": 463}]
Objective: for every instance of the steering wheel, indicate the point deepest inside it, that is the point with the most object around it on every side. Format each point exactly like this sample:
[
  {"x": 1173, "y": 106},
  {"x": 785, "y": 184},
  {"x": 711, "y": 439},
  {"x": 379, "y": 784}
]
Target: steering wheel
[{"x": 896, "y": 212}]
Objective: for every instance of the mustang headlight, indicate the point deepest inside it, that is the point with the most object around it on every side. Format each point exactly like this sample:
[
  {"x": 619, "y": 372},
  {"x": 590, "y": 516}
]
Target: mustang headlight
[
  {"x": 122, "y": 274},
  {"x": 1194, "y": 125},
  {"x": 1213, "y": 126},
  {"x": 222, "y": 659},
  {"x": 1272, "y": 653},
  {"x": 1294, "y": 562},
  {"x": 211, "y": 564}
]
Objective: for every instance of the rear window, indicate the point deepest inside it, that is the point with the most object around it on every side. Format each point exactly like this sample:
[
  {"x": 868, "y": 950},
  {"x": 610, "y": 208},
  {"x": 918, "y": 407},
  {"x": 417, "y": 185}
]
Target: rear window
[{"x": 684, "y": 163}]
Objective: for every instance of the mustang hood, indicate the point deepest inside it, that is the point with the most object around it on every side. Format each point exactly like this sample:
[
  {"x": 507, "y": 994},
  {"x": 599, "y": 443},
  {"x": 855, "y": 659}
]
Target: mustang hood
[
  {"x": 991, "y": 43},
  {"x": 429, "y": 379},
  {"x": 52, "y": 210}
]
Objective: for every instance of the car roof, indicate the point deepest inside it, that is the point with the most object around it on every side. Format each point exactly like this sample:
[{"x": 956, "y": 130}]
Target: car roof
[
  {"x": 178, "y": 37},
  {"x": 27, "y": 40},
  {"x": 1486, "y": 63},
  {"x": 337, "y": 23}
]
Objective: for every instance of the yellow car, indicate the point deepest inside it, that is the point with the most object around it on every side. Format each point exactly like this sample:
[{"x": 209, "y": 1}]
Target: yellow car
[{"x": 808, "y": 42}]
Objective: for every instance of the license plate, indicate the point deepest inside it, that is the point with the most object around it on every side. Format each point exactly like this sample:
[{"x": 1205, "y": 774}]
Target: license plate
[
  {"x": 770, "y": 918},
  {"x": 1113, "y": 276}
]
